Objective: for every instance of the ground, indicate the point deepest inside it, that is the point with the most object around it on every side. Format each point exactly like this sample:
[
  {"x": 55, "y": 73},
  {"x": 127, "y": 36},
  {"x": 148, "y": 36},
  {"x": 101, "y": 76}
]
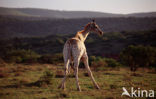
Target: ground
[{"x": 40, "y": 81}]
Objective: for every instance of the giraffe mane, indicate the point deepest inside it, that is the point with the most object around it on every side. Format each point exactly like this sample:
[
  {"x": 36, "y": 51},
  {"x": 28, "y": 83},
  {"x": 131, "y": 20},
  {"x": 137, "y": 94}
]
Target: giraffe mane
[
  {"x": 78, "y": 34},
  {"x": 87, "y": 26}
]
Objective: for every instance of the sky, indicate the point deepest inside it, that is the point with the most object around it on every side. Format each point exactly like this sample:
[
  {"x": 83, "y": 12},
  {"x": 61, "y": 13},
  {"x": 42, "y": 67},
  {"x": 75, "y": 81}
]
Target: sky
[{"x": 109, "y": 6}]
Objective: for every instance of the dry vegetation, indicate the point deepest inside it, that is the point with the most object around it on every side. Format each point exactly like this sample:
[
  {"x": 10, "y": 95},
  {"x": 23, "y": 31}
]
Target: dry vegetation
[{"x": 40, "y": 81}]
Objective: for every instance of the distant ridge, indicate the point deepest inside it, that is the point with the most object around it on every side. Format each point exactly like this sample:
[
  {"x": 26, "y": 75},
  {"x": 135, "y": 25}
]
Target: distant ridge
[
  {"x": 37, "y": 12},
  {"x": 143, "y": 14}
]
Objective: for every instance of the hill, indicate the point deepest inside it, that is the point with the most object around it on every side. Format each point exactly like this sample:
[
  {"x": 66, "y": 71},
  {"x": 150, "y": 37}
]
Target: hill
[
  {"x": 11, "y": 12},
  {"x": 149, "y": 14},
  {"x": 53, "y": 13},
  {"x": 36, "y": 12},
  {"x": 37, "y": 27}
]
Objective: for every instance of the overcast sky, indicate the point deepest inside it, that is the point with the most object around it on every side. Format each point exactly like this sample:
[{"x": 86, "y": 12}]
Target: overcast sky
[{"x": 111, "y": 6}]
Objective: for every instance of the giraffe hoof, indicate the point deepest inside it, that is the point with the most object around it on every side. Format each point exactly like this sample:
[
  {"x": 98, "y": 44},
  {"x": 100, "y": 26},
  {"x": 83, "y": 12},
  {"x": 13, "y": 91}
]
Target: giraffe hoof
[
  {"x": 97, "y": 87},
  {"x": 78, "y": 89},
  {"x": 59, "y": 87}
]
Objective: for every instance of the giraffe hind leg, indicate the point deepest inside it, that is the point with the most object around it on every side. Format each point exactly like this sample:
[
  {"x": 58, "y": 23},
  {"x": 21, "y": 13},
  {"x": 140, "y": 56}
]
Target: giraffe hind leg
[
  {"x": 62, "y": 85},
  {"x": 76, "y": 65}
]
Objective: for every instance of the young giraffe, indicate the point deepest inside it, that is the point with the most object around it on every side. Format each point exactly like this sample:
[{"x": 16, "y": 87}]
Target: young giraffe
[{"x": 75, "y": 50}]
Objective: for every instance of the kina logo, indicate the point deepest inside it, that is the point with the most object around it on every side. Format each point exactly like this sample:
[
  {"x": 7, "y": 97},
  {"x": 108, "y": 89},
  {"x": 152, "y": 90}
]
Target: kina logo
[{"x": 137, "y": 92}]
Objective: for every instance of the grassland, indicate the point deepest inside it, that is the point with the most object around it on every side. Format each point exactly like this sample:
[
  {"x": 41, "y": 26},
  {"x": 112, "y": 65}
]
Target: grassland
[{"x": 25, "y": 81}]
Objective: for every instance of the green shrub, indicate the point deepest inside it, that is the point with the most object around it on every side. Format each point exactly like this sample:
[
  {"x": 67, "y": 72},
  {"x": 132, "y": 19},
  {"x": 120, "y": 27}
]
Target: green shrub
[
  {"x": 92, "y": 58},
  {"x": 112, "y": 62},
  {"x": 52, "y": 59},
  {"x": 21, "y": 56},
  {"x": 135, "y": 56},
  {"x": 99, "y": 63},
  {"x": 46, "y": 59}
]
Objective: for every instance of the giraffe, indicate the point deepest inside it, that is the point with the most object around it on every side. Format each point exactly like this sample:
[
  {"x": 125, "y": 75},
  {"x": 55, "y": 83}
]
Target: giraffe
[{"x": 74, "y": 50}]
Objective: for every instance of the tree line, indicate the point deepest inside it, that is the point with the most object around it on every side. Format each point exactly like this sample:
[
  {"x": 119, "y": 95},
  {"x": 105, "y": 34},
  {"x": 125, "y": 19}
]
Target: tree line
[{"x": 127, "y": 48}]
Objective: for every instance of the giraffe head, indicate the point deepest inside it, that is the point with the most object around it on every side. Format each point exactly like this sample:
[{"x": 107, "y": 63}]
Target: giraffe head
[{"x": 93, "y": 27}]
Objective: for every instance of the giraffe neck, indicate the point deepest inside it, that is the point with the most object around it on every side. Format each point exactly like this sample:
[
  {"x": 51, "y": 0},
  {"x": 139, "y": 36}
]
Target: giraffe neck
[{"x": 82, "y": 35}]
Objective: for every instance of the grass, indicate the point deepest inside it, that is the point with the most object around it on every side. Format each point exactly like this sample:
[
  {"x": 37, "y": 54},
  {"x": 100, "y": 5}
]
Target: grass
[{"x": 40, "y": 81}]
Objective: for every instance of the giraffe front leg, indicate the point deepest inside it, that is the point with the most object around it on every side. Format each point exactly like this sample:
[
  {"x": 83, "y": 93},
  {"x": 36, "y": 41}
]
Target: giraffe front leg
[{"x": 85, "y": 60}]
